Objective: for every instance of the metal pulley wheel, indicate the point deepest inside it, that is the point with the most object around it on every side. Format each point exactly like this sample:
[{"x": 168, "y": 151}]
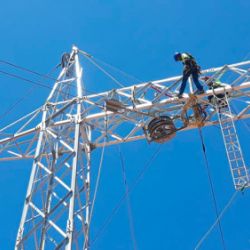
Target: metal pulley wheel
[{"x": 161, "y": 129}]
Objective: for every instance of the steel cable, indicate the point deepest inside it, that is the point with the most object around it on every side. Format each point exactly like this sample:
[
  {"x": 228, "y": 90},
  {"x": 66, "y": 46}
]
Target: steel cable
[
  {"x": 130, "y": 216},
  {"x": 212, "y": 188},
  {"x": 105, "y": 72},
  {"x": 29, "y": 70},
  {"x": 28, "y": 93},
  {"x": 130, "y": 189},
  {"x": 229, "y": 203}
]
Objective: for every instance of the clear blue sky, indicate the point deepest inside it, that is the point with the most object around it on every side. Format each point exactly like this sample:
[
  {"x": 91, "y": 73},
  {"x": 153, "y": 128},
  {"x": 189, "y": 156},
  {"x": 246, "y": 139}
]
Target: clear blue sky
[{"x": 172, "y": 205}]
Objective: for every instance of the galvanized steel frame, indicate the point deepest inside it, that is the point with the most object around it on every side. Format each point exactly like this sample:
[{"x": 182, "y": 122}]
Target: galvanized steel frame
[{"x": 61, "y": 134}]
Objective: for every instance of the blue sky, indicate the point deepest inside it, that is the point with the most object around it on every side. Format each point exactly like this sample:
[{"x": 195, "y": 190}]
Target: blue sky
[{"x": 172, "y": 204}]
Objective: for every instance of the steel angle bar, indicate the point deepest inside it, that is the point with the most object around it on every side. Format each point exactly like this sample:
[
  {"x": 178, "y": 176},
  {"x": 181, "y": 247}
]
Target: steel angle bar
[
  {"x": 57, "y": 228},
  {"x": 241, "y": 77},
  {"x": 61, "y": 110},
  {"x": 19, "y": 135},
  {"x": 116, "y": 123},
  {"x": 244, "y": 111},
  {"x": 62, "y": 201},
  {"x": 63, "y": 184},
  {"x": 55, "y": 136},
  {"x": 35, "y": 112},
  {"x": 238, "y": 70}
]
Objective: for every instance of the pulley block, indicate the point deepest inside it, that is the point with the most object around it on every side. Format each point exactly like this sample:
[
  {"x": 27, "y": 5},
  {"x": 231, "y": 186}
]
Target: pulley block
[{"x": 161, "y": 129}]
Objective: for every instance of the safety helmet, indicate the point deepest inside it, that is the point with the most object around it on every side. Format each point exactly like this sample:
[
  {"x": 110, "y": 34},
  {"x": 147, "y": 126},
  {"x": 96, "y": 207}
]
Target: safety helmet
[{"x": 177, "y": 56}]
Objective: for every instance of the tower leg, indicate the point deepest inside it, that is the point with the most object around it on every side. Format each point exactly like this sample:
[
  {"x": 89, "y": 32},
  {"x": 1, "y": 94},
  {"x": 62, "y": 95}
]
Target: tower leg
[{"x": 56, "y": 213}]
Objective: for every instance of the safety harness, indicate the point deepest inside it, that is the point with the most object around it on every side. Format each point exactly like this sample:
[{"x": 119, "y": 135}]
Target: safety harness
[{"x": 189, "y": 62}]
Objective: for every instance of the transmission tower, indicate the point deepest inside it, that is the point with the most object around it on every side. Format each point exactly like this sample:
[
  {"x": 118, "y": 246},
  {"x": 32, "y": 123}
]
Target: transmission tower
[{"x": 60, "y": 136}]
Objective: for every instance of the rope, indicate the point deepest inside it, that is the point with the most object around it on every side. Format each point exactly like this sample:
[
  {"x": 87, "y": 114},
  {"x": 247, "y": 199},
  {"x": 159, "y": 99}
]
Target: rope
[
  {"x": 229, "y": 203},
  {"x": 88, "y": 56},
  {"x": 96, "y": 189},
  {"x": 28, "y": 93},
  {"x": 212, "y": 188},
  {"x": 29, "y": 70},
  {"x": 97, "y": 181},
  {"x": 11, "y": 107},
  {"x": 110, "y": 66},
  {"x": 105, "y": 72},
  {"x": 39, "y": 83},
  {"x": 130, "y": 189},
  {"x": 118, "y": 70},
  {"x": 131, "y": 221}
]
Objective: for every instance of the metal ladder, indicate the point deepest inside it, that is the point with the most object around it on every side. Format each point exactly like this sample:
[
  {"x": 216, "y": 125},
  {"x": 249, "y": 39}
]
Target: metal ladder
[{"x": 235, "y": 157}]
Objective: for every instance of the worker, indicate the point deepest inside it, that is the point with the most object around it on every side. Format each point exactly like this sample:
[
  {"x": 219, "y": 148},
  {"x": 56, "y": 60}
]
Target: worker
[
  {"x": 214, "y": 84},
  {"x": 66, "y": 62},
  {"x": 190, "y": 68}
]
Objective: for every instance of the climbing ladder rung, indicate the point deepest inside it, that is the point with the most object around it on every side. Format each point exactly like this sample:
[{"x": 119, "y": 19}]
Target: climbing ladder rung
[
  {"x": 239, "y": 168},
  {"x": 227, "y": 127},
  {"x": 240, "y": 178},
  {"x": 237, "y": 159},
  {"x": 228, "y": 135},
  {"x": 233, "y": 151},
  {"x": 232, "y": 143}
]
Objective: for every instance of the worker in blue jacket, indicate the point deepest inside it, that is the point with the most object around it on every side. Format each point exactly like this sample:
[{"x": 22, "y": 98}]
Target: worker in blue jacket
[{"x": 190, "y": 68}]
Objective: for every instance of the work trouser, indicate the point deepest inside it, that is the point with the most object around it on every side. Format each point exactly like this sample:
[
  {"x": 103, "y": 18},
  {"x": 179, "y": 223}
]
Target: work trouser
[{"x": 186, "y": 74}]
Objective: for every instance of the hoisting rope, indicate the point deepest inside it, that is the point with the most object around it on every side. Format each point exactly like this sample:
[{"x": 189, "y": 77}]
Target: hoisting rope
[
  {"x": 95, "y": 61},
  {"x": 46, "y": 76},
  {"x": 130, "y": 216},
  {"x": 35, "y": 82},
  {"x": 129, "y": 76},
  {"x": 212, "y": 188},
  {"x": 121, "y": 72},
  {"x": 95, "y": 191},
  {"x": 97, "y": 181},
  {"x": 104, "y": 71},
  {"x": 229, "y": 203},
  {"x": 31, "y": 90},
  {"x": 130, "y": 189}
]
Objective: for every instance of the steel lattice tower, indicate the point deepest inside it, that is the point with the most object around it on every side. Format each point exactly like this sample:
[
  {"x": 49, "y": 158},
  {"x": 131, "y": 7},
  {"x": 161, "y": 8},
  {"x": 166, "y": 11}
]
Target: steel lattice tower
[
  {"x": 60, "y": 136},
  {"x": 57, "y": 202}
]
